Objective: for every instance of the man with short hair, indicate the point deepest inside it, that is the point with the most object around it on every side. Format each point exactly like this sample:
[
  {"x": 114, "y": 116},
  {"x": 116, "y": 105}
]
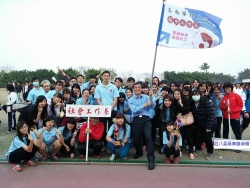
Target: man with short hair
[
  {"x": 36, "y": 91},
  {"x": 107, "y": 93},
  {"x": 140, "y": 105}
]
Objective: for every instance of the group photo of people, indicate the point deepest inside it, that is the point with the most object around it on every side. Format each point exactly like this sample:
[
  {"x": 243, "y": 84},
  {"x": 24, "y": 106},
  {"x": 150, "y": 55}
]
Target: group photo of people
[{"x": 145, "y": 118}]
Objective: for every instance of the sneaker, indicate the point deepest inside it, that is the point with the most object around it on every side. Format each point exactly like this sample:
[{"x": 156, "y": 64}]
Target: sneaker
[
  {"x": 209, "y": 156},
  {"x": 29, "y": 163},
  {"x": 151, "y": 165},
  {"x": 112, "y": 157},
  {"x": 8, "y": 132},
  {"x": 136, "y": 155},
  {"x": 72, "y": 155},
  {"x": 167, "y": 160},
  {"x": 97, "y": 156},
  {"x": 82, "y": 157},
  {"x": 180, "y": 154},
  {"x": 191, "y": 156},
  {"x": 16, "y": 167},
  {"x": 175, "y": 160},
  {"x": 124, "y": 158},
  {"x": 237, "y": 151},
  {"x": 14, "y": 130},
  {"x": 54, "y": 158},
  {"x": 144, "y": 148}
]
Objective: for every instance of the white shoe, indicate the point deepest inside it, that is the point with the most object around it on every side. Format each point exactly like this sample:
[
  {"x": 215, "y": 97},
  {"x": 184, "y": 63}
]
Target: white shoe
[{"x": 112, "y": 157}]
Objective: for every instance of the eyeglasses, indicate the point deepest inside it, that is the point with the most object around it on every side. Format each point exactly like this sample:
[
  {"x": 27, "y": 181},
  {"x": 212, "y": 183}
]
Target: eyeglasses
[{"x": 24, "y": 127}]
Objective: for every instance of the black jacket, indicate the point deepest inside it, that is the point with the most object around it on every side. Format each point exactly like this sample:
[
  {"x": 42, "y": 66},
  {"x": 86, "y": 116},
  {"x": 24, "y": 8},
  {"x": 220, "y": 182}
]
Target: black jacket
[{"x": 203, "y": 113}]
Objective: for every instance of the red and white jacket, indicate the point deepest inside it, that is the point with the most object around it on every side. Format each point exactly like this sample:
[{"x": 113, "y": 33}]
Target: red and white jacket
[
  {"x": 96, "y": 133},
  {"x": 236, "y": 105}
]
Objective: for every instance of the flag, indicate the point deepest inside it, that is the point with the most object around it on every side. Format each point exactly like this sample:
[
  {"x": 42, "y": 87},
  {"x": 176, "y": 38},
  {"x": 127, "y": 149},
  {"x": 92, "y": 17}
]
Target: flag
[{"x": 188, "y": 28}]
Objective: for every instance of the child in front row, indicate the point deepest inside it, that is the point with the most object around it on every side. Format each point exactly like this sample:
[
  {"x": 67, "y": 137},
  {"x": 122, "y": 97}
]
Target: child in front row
[{"x": 172, "y": 142}]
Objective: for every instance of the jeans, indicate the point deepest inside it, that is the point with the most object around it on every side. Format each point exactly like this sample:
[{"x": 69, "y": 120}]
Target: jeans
[
  {"x": 235, "y": 125},
  {"x": 122, "y": 150}
]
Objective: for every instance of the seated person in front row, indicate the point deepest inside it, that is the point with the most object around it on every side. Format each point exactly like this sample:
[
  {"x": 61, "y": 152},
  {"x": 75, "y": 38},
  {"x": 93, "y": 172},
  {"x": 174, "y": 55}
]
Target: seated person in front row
[
  {"x": 95, "y": 131},
  {"x": 69, "y": 133},
  {"x": 23, "y": 147},
  {"x": 52, "y": 139},
  {"x": 118, "y": 137},
  {"x": 172, "y": 141}
]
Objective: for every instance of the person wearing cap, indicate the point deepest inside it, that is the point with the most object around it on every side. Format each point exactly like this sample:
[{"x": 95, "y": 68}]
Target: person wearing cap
[
  {"x": 233, "y": 102},
  {"x": 36, "y": 91},
  {"x": 69, "y": 133}
]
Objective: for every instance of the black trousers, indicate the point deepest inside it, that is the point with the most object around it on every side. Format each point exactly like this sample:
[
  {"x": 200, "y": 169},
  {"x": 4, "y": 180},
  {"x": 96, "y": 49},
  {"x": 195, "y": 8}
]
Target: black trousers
[
  {"x": 187, "y": 133},
  {"x": 96, "y": 145},
  {"x": 20, "y": 154},
  {"x": 142, "y": 125},
  {"x": 171, "y": 151},
  {"x": 67, "y": 142},
  {"x": 217, "y": 131},
  {"x": 202, "y": 135}
]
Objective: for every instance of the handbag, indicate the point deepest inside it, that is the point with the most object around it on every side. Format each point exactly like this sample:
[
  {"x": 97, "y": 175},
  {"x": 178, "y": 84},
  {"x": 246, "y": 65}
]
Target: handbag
[{"x": 187, "y": 119}]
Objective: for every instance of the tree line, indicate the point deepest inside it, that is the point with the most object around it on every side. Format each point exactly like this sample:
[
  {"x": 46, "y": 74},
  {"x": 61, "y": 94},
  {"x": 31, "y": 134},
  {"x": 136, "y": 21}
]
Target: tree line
[{"x": 170, "y": 76}]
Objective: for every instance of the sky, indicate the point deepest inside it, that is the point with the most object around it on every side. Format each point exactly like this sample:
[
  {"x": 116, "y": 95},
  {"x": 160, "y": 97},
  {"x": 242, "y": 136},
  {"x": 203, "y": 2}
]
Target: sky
[{"x": 38, "y": 34}]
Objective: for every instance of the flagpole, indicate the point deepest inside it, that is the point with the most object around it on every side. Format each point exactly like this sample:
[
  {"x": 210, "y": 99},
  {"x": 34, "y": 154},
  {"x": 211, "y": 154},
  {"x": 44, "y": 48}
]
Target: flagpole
[
  {"x": 158, "y": 38},
  {"x": 153, "y": 69},
  {"x": 87, "y": 143}
]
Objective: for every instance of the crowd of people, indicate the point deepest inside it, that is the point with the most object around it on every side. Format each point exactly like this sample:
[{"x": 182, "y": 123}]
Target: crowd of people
[{"x": 147, "y": 117}]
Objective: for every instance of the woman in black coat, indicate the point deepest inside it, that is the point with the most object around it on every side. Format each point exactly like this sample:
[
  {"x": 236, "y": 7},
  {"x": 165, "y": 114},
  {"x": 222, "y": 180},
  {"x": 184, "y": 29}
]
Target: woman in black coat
[{"x": 203, "y": 112}]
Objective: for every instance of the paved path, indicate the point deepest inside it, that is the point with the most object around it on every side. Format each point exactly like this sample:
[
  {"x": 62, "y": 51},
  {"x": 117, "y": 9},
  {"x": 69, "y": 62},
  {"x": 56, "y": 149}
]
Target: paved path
[{"x": 119, "y": 176}]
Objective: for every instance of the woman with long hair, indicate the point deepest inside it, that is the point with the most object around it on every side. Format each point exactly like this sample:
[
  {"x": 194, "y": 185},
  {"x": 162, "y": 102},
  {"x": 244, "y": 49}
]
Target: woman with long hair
[
  {"x": 11, "y": 99},
  {"x": 23, "y": 147},
  {"x": 35, "y": 113},
  {"x": 119, "y": 131},
  {"x": 182, "y": 106}
]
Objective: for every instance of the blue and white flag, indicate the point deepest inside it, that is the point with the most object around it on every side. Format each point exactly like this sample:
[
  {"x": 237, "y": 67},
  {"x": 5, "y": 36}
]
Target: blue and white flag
[{"x": 188, "y": 28}]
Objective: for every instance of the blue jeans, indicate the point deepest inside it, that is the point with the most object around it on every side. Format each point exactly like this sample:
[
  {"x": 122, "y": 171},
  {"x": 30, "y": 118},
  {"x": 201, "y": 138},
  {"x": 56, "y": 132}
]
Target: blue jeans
[{"x": 122, "y": 150}]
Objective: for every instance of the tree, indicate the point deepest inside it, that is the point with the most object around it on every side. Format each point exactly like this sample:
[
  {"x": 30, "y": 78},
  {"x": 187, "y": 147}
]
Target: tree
[
  {"x": 204, "y": 67},
  {"x": 244, "y": 74}
]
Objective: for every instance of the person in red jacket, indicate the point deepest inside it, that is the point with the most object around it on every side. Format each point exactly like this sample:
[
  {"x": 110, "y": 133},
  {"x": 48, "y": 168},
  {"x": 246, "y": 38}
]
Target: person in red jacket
[
  {"x": 235, "y": 104},
  {"x": 95, "y": 130}
]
